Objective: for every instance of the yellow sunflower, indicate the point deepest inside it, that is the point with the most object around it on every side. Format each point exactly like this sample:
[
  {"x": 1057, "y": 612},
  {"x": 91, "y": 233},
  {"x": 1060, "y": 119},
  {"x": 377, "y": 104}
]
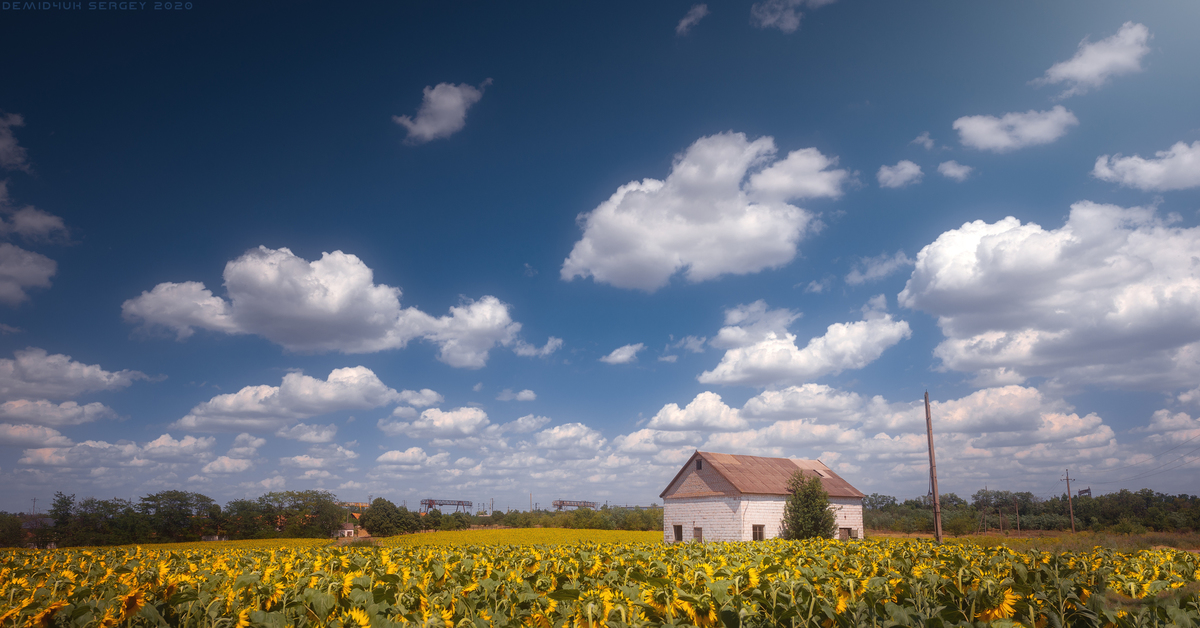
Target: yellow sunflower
[{"x": 1004, "y": 609}]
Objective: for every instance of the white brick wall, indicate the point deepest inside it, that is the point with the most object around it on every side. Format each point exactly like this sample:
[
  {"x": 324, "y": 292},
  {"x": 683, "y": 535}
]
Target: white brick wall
[
  {"x": 733, "y": 518},
  {"x": 848, "y": 512}
]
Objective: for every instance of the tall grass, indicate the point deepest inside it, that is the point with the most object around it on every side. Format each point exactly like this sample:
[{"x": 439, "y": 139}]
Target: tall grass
[{"x": 1085, "y": 541}]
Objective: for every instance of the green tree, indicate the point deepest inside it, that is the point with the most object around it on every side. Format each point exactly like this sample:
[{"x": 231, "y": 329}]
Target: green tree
[
  {"x": 244, "y": 519},
  {"x": 170, "y": 514},
  {"x": 432, "y": 520},
  {"x": 807, "y": 512},
  {"x": 407, "y": 520},
  {"x": 11, "y": 533},
  {"x": 381, "y": 518}
]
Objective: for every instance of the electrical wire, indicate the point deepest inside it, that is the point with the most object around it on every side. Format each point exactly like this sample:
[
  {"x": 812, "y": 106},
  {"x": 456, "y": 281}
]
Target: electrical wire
[
  {"x": 1149, "y": 473},
  {"x": 1155, "y": 456}
]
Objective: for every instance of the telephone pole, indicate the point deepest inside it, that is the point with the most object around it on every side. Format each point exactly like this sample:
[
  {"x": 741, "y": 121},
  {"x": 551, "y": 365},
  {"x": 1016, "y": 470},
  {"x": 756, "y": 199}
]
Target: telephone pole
[
  {"x": 937, "y": 505},
  {"x": 1070, "y": 505}
]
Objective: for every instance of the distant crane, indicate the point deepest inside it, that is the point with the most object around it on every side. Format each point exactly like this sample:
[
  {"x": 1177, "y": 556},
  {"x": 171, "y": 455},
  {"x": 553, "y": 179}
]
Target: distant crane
[
  {"x": 559, "y": 504},
  {"x": 429, "y": 504}
]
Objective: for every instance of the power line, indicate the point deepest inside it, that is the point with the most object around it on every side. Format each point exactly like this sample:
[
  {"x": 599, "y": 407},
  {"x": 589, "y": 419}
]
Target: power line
[
  {"x": 1155, "y": 456},
  {"x": 1149, "y": 473}
]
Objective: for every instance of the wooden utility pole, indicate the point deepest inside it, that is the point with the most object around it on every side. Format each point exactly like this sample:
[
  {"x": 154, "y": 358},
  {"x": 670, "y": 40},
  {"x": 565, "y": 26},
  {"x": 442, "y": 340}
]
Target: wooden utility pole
[
  {"x": 1070, "y": 505},
  {"x": 1017, "y": 509},
  {"x": 937, "y": 504}
]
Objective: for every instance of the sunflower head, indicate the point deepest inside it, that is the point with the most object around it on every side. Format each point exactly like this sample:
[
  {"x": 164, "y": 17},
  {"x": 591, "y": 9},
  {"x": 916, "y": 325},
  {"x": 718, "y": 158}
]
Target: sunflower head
[
  {"x": 46, "y": 616},
  {"x": 356, "y": 617},
  {"x": 131, "y": 603},
  {"x": 1006, "y": 606}
]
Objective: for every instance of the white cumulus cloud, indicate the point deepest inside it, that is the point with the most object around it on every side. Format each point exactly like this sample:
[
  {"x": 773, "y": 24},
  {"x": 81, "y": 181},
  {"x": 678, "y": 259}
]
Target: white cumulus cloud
[
  {"x": 21, "y": 269},
  {"x": 924, "y": 140},
  {"x": 12, "y": 154},
  {"x": 436, "y": 423},
  {"x": 525, "y": 424},
  {"x": 526, "y": 350},
  {"x": 1177, "y": 168},
  {"x": 570, "y": 441},
  {"x": 1112, "y": 297},
  {"x": 902, "y": 174},
  {"x": 954, "y": 170},
  {"x": 36, "y": 373},
  {"x": 693, "y": 17},
  {"x": 1094, "y": 63},
  {"x": 225, "y": 464},
  {"x": 421, "y": 398},
  {"x": 331, "y": 304},
  {"x": 878, "y": 267},
  {"x": 706, "y": 412},
  {"x": 782, "y": 14},
  {"x": 706, "y": 219},
  {"x": 32, "y": 436},
  {"x": 299, "y": 396},
  {"x": 413, "y": 458},
  {"x": 29, "y": 222},
  {"x": 623, "y": 355},
  {"x": 42, "y": 412},
  {"x": 306, "y": 433},
  {"x": 443, "y": 111},
  {"x": 524, "y": 395},
  {"x": 1014, "y": 130},
  {"x": 777, "y": 360}
]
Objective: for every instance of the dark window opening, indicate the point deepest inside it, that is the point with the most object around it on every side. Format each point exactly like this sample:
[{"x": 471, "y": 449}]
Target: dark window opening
[
  {"x": 758, "y": 533},
  {"x": 678, "y": 533},
  {"x": 699, "y": 464},
  {"x": 844, "y": 534},
  {"x": 697, "y": 534}
]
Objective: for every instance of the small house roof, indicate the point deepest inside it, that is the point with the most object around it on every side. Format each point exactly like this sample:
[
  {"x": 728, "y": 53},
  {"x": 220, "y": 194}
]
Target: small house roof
[{"x": 756, "y": 475}]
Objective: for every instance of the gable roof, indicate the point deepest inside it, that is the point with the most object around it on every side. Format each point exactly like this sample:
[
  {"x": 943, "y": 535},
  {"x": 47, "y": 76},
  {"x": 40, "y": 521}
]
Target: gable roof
[{"x": 755, "y": 475}]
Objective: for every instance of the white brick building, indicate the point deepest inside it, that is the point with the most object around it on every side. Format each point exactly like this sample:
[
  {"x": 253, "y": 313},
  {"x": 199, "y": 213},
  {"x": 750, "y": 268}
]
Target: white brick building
[{"x": 724, "y": 497}]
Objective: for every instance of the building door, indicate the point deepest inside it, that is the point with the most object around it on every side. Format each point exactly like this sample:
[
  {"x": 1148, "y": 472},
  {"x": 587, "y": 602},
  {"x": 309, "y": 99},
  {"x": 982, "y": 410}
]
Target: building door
[
  {"x": 758, "y": 533},
  {"x": 678, "y": 533},
  {"x": 843, "y": 534},
  {"x": 697, "y": 534}
]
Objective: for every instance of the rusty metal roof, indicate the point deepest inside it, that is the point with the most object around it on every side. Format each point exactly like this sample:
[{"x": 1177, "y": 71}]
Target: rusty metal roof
[{"x": 768, "y": 476}]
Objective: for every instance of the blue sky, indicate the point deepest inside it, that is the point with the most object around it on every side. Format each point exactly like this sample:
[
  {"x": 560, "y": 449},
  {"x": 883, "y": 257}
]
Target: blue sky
[{"x": 478, "y": 252}]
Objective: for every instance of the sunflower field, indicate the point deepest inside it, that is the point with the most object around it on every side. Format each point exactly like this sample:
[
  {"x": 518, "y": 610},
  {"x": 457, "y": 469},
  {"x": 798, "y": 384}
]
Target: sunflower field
[{"x": 535, "y": 578}]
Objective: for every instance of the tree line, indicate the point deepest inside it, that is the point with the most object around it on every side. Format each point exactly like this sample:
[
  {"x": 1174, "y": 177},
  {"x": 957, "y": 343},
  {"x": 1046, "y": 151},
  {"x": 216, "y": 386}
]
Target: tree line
[
  {"x": 383, "y": 518},
  {"x": 1123, "y": 512},
  {"x": 174, "y": 516}
]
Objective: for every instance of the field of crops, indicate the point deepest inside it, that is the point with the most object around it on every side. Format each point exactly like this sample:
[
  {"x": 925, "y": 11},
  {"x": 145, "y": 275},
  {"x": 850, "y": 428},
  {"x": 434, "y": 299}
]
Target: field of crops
[{"x": 552, "y": 578}]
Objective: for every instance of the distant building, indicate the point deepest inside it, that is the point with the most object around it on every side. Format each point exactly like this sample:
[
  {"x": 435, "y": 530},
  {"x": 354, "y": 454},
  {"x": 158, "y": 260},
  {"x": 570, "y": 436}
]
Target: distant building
[
  {"x": 347, "y": 529},
  {"x": 725, "y": 497}
]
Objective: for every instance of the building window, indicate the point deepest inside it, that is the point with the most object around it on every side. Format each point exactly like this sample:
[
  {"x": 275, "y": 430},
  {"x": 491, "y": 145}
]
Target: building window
[
  {"x": 678, "y": 533},
  {"x": 698, "y": 534},
  {"x": 758, "y": 533},
  {"x": 843, "y": 534},
  {"x": 699, "y": 464}
]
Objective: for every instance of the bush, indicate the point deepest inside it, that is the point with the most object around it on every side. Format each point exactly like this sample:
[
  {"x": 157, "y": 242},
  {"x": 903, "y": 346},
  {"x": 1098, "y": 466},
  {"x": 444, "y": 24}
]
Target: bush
[
  {"x": 807, "y": 514},
  {"x": 1129, "y": 526},
  {"x": 960, "y": 523}
]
